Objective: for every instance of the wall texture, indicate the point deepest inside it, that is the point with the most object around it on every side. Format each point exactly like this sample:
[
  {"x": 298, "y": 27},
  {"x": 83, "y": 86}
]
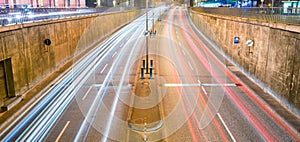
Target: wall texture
[
  {"x": 273, "y": 60},
  {"x": 32, "y": 60}
]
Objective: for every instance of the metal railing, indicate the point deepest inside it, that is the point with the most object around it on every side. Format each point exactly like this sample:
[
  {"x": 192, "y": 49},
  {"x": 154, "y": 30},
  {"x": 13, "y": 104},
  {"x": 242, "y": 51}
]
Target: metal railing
[
  {"x": 277, "y": 15},
  {"x": 27, "y": 15}
]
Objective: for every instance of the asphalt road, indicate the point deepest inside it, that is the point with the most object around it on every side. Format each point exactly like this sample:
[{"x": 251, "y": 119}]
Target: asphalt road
[{"x": 192, "y": 95}]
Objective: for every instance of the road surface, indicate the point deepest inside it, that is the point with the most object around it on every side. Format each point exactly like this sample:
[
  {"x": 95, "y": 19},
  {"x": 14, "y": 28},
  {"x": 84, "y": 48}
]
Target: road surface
[{"x": 191, "y": 95}]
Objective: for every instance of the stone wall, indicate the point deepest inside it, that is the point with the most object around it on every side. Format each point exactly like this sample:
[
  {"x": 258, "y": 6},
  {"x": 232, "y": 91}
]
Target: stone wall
[
  {"x": 274, "y": 59},
  {"x": 32, "y": 60}
]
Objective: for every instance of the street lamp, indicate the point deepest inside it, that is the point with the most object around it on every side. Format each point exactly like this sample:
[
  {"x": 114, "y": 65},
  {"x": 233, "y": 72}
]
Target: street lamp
[{"x": 147, "y": 32}]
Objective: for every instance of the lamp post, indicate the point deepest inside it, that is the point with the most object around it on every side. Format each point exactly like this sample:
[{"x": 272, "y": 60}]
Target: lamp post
[{"x": 147, "y": 32}]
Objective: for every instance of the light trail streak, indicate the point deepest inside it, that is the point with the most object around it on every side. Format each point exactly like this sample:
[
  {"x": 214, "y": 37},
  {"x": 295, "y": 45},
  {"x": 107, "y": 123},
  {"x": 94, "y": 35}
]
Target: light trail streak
[
  {"x": 63, "y": 81},
  {"x": 170, "y": 27},
  {"x": 263, "y": 129},
  {"x": 38, "y": 132},
  {"x": 260, "y": 129},
  {"x": 49, "y": 98},
  {"x": 189, "y": 123},
  {"x": 89, "y": 70},
  {"x": 266, "y": 109},
  {"x": 191, "y": 127},
  {"x": 204, "y": 102},
  {"x": 96, "y": 103},
  {"x": 39, "y": 128},
  {"x": 94, "y": 108},
  {"x": 115, "y": 101},
  {"x": 277, "y": 118},
  {"x": 261, "y": 104}
]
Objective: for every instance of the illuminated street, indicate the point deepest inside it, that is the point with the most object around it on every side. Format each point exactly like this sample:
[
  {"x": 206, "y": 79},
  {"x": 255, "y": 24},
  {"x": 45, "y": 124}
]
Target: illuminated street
[{"x": 190, "y": 92}]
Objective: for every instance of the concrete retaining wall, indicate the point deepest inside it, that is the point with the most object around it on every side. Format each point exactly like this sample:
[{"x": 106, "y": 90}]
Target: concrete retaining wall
[
  {"x": 32, "y": 60},
  {"x": 273, "y": 60}
]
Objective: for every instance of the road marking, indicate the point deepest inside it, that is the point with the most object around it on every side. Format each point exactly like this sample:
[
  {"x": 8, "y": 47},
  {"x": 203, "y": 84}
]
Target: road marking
[
  {"x": 227, "y": 129},
  {"x": 114, "y": 54},
  {"x": 190, "y": 65},
  {"x": 180, "y": 44},
  {"x": 87, "y": 92},
  {"x": 216, "y": 85},
  {"x": 122, "y": 44},
  {"x": 183, "y": 52},
  {"x": 62, "y": 131},
  {"x": 219, "y": 116},
  {"x": 97, "y": 85},
  {"x": 203, "y": 89},
  {"x": 103, "y": 68},
  {"x": 199, "y": 81},
  {"x": 200, "y": 84}
]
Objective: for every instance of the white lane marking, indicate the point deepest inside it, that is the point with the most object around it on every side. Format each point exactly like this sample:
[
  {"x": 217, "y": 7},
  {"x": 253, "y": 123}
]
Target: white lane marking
[
  {"x": 183, "y": 52},
  {"x": 117, "y": 94},
  {"x": 122, "y": 44},
  {"x": 227, "y": 129},
  {"x": 190, "y": 65},
  {"x": 199, "y": 81},
  {"x": 87, "y": 92},
  {"x": 114, "y": 54},
  {"x": 219, "y": 116},
  {"x": 97, "y": 85},
  {"x": 203, "y": 89},
  {"x": 62, "y": 131},
  {"x": 103, "y": 69},
  {"x": 179, "y": 44},
  {"x": 216, "y": 85},
  {"x": 200, "y": 84}
]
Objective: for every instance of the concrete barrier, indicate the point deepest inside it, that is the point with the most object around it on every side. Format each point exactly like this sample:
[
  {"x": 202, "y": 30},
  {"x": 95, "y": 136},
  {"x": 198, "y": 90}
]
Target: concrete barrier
[
  {"x": 273, "y": 60},
  {"x": 38, "y": 49}
]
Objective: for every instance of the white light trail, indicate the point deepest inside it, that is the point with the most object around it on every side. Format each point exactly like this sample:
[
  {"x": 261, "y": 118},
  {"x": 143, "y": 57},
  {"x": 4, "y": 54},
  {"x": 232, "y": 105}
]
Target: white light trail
[{"x": 115, "y": 101}]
